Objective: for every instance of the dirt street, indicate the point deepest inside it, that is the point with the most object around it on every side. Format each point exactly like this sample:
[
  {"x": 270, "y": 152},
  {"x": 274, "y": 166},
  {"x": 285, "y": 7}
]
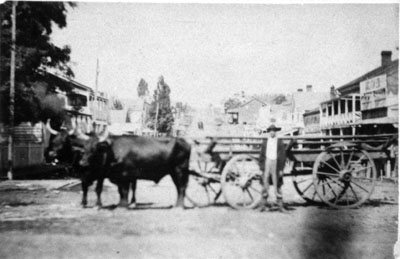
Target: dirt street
[{"x": 43, "y": 219}]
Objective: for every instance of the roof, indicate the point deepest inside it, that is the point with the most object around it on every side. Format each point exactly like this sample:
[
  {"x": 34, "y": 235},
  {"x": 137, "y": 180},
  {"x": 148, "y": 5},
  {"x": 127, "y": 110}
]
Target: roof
[
  {"x": 353, "y": 86},
  {"x": 313, "y": 111},
  {"x": 65, "y": 83},
  {"x": 251, "y": 100}
]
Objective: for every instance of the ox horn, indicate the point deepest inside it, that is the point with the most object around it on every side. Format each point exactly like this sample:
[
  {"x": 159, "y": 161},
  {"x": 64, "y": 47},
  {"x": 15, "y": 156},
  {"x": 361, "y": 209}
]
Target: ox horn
[
  {"x": 71, "y": 131},
  {"x": 51, "y": 130}
]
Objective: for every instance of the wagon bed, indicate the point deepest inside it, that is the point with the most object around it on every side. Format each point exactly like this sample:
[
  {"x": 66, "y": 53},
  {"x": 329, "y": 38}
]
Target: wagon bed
[{"x": 336, "y": 170}]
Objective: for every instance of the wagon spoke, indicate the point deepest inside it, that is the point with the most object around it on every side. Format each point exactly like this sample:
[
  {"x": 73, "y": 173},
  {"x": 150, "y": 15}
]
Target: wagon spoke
[
  {"x": 199, "y": 164},
  {"x": 315, "y": 193},
  {"x": 363, "y": 178},
  {"x": 347, "y": 198},
  {"x": 334, "y": 159},
  {"x": 303, "y": 180},
  {"x": 330, "y": 166},
  {"x": 354, "y": 193},
  {"x": 328, "y": 174},
  {"x": 330, "y": 187},
  {"x": 360, "y": 159},
  {"x": 248, "y": 192},
  {"x": 349, "y": 161},
  {"x": 361, "y": 187},
  {"x": 254, "y": 189},
  {"x": 342, "y": 159},
  {"x": 336, "y": 182},
  {"x": 308, "y": 187},
  {"x": 243, "y": 197},
  {"x": 212, "y": 188},
  {"x": 361, "y": 169}
]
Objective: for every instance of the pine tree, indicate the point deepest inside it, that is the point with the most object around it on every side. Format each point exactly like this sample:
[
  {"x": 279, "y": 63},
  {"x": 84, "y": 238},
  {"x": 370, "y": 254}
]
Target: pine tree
[{"x": 165, "y": 117}]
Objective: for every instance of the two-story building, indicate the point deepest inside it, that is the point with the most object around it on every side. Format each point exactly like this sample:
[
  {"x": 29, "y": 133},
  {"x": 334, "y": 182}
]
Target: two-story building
[
  {"x": 366, "y": 105},
  {"x": 79, "y": 103}
]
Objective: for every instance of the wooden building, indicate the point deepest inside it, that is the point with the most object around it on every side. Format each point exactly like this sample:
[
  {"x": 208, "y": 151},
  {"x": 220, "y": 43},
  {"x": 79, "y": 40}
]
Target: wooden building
[
  {"x": 30, "y": 141},
  {"x": 366, "y": 105}
]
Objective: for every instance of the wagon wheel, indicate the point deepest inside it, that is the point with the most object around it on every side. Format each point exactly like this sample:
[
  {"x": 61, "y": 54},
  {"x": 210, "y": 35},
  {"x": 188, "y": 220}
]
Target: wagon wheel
[
  {"x": 204, "y": 189},
  {"x": 344, "y": 177},
  {"x": 241, "y": 182},
  {"x": 303, "y": 183}
]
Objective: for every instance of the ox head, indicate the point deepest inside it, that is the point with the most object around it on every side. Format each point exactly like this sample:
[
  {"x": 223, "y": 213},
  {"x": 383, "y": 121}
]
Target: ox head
[
  {"x": 60, "y": 146},
  {"x": 68, "y": 141}
]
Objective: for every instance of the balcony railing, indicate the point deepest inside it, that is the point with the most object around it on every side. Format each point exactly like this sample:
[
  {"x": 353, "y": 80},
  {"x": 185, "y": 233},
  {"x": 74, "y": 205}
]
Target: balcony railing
[{"x": 340, "y": 119}]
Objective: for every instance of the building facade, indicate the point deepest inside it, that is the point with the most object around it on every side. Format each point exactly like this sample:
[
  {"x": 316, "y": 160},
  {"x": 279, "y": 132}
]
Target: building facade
[
  {"x": 366, "y": 105},
  {"x": 79, "y": 103}
]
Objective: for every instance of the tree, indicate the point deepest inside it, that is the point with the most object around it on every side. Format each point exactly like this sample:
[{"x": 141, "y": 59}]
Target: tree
[
  {"x": 165, "y": 118},
  {"x": 116, "y": 103},
  {"x": 34, "y": 51},
  {"x": 142, "y": 88},
  {"x": 232, "y": 103}
]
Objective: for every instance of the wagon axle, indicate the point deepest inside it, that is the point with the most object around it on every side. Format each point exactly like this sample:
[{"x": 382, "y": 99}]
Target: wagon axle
[{"x": 345, "y": 176}]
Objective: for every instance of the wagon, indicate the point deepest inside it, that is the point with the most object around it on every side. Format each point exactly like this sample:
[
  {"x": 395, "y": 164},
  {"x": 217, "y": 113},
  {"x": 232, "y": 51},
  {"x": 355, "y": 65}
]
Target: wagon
[{"x": 340, "y": 171}]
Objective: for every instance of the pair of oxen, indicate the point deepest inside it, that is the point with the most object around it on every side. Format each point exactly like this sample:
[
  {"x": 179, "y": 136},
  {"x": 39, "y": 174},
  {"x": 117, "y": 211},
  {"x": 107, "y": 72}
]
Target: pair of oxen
[{"x": 122, "y": 159}]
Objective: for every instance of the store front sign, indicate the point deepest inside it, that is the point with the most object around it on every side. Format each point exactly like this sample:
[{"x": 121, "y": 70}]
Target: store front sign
[{"x": 373, "y": 92}]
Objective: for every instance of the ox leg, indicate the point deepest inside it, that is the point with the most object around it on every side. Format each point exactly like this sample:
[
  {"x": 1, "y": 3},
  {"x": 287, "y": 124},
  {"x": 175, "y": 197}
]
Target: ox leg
[
  {"x": 123, "y": 189},
  {"x": 133, "y": 188},
  {"x": 99, "y": 189},
  {"x": 180, "y": 180},
  {"x": 85, "y": 187}
]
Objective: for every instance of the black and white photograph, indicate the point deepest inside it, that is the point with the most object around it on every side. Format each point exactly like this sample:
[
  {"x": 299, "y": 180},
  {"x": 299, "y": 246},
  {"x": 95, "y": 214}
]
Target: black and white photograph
[{"x": 172, "y": 129}]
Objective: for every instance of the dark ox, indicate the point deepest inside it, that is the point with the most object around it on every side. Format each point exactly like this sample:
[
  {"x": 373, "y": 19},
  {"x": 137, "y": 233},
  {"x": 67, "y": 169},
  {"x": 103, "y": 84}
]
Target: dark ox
[{"x": 125, "y": 159}]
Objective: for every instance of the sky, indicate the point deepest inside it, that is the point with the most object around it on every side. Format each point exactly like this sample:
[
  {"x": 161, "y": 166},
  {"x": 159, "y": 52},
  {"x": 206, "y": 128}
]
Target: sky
[{"x": 208, "y": 52}]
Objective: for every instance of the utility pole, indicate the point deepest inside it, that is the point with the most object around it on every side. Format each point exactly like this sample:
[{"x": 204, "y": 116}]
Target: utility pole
[
  {"x": 157, "y": 107},
  {"x": 12, "y": 92},
  {"x": 96, "y": 88}
]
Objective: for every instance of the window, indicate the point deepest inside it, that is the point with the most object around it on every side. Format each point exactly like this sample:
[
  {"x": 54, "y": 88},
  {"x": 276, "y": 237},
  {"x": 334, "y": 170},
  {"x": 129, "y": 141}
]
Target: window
[
  {"x": 335, "y": 107},
  {"x": 357, "y": 105},
  {"x": 342, "y": 106},
  {"x": 350, "y": 105},
  {"x": 323, "y": 112},
  {"x": 77, "y": 100}
]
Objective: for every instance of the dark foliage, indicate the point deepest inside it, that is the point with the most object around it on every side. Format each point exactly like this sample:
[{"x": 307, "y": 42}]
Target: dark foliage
[
  {"x": 165, "y": 117},
  {"x": 34, "y": 50}
]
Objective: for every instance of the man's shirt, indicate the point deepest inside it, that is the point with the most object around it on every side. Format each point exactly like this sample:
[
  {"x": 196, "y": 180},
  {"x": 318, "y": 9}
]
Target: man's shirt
[{"x": 272, "y": 146}]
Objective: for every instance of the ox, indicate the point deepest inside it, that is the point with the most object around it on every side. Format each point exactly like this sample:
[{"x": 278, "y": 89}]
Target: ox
[{"x": 125, "y": 159}]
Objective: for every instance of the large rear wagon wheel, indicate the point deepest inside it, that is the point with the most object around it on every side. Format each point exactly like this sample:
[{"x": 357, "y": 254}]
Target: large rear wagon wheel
[
  {"x": 304, "y": 185},
  {"x": 241, "y": 182},
  {"x": 344, "y": 177}
]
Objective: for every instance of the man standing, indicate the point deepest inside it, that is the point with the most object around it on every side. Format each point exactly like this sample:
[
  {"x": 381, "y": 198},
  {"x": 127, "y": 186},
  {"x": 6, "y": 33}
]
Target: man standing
[{"x": 272, "y": 162}]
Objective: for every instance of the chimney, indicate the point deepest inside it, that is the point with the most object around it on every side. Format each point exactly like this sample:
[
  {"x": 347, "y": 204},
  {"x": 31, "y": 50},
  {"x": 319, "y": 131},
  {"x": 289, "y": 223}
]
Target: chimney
[
  {"x": 299, "y": 90},
  {"x": 333, "y": 94},
  {"x": 386, "y": 57},
  {"x": 309, "y": 88}
]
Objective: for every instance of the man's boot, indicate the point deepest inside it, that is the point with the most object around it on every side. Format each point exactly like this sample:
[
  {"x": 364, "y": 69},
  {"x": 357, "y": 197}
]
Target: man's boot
[
  {"x": 263, "y": 204},
  {"x": 281, "y": 206}
]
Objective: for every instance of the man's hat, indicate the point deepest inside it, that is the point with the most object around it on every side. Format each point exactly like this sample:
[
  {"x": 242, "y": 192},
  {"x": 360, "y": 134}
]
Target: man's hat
[{"x": 273, "y": 128}]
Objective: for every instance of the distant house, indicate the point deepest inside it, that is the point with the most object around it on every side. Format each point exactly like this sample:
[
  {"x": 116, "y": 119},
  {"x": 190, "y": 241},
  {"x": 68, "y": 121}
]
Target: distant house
[
  {"x": 131, "y": 119},
  {"x": 247, "y": 113},
  {"x": 312, "y": 122}
]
